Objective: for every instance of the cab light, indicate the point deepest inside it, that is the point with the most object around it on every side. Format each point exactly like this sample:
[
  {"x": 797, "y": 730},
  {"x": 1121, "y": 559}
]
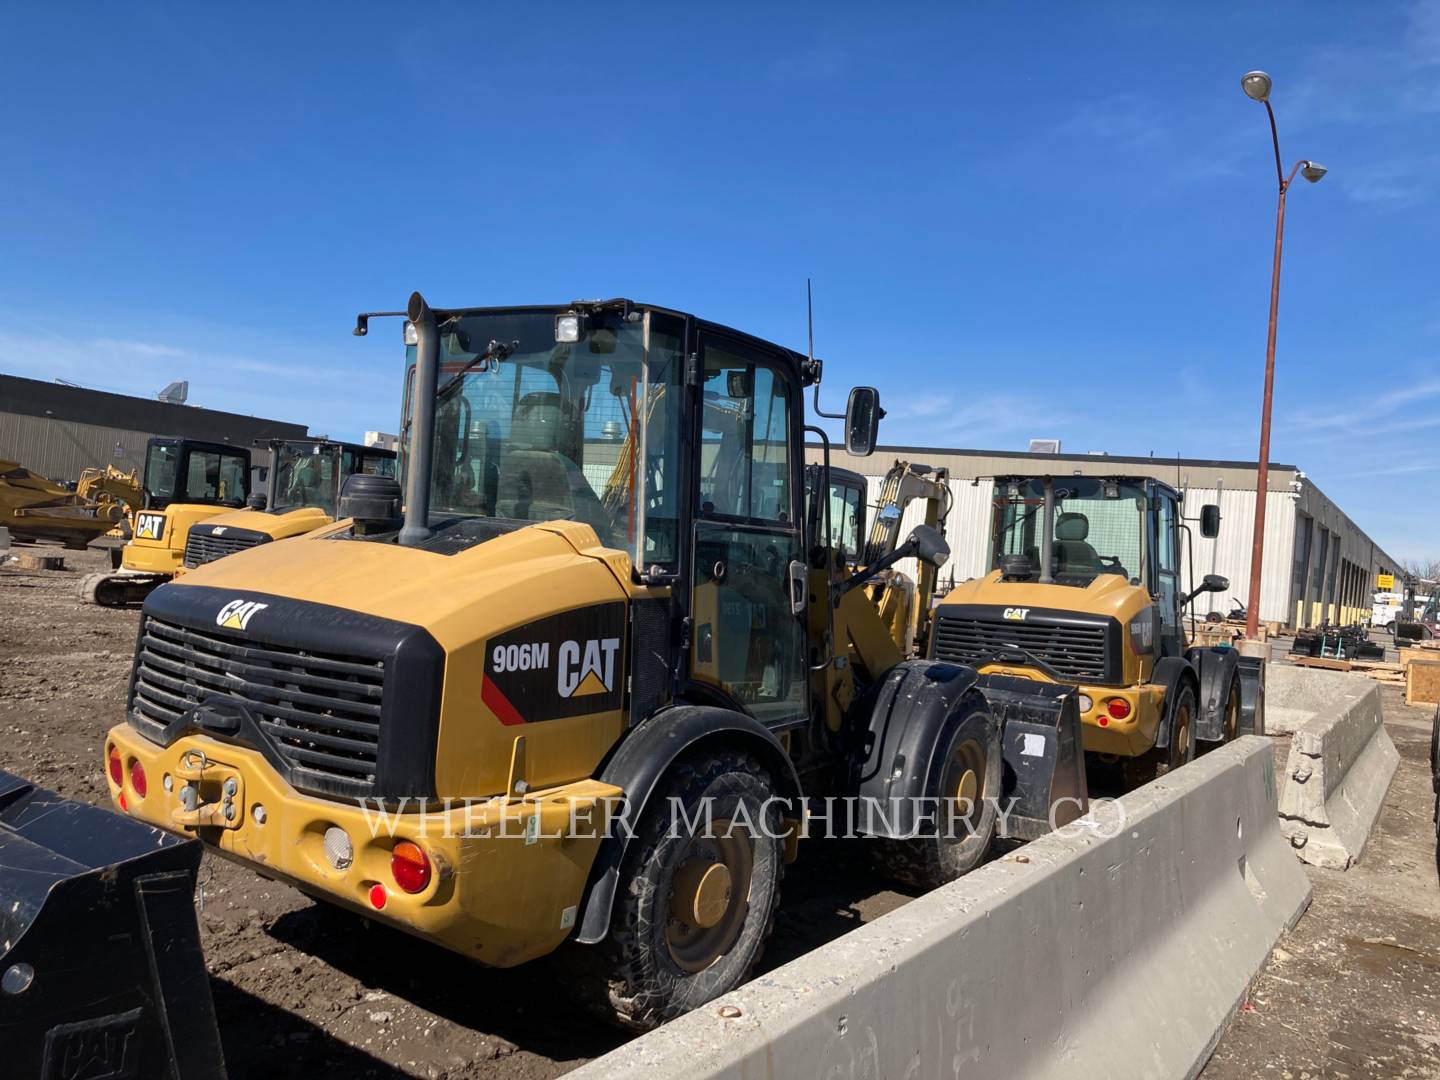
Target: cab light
[
  {"x": 410, "y": 867},
  {"x": 137, "y": 778},
  {"x": 377, "y": 896},
  {"x": 1118, "y": 707},
  {"x": 117, "y": 771}
]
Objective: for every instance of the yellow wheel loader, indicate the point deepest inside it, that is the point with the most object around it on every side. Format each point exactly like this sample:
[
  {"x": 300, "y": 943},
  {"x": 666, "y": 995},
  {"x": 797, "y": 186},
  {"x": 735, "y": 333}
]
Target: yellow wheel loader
[
  {"x": 185, "y": 481},
  {"x": 1086, "y": 591},
  {"x": 302, "y": 482},
  {"x": 590, "y": 687}
]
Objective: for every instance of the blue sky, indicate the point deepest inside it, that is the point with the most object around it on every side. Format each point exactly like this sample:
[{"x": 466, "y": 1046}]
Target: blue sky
[{"x": 1014, "y": 214}]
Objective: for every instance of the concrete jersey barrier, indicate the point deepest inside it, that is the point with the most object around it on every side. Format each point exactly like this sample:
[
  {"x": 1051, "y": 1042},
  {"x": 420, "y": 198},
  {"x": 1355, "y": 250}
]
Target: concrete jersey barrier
[
  {"x": 1120, "y": 948},
  {"x": 1341, "y": 762}
]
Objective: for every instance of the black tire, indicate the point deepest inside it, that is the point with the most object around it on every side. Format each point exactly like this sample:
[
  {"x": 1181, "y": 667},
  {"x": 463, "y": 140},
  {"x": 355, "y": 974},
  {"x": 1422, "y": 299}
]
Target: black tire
[
  {"x": 653, "y": 965},
  {"x": 965, "y": 787},
  {"x": 1162, "y": 760}
]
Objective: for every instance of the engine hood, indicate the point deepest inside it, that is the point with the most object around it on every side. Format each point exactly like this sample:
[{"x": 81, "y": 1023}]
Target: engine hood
[
  {"x": 1108, "y": 594},
  {"x": 459, "y": 598},
  {"x": 276, "y": 526}
]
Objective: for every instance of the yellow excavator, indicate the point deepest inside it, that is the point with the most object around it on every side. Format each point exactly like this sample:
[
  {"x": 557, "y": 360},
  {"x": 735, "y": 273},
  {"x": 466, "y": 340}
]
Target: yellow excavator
[
  {"x": 1087, "y": 590},
  {"x": 302, "y": 493},
  {"x": 35, "y": 508},
  {"x": 589, "y": 678},
  {"x": 185, "y": 481}
]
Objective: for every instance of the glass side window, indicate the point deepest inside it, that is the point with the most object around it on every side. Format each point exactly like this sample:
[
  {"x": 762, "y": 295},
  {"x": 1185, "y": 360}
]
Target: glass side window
[
  {"x": 161, "y": 465},
  {"x": 662, "y": 443},
  {"x": 745, "y": 440},
  {"x": 212, "y": 476},
  {"x": 377, "y": 465},
  {"x": 1167, "y": 566},
  {"x": 303, "y": 478}
]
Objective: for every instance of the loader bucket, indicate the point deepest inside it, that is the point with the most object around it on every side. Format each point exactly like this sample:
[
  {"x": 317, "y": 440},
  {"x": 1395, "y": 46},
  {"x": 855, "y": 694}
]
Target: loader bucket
[
  {"x": 101, "y": 973},
  {"x": 1044, "y": 762}
]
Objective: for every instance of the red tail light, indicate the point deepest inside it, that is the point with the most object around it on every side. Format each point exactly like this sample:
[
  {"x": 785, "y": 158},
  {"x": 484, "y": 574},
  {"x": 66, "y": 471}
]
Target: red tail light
[
  {"x": 117, "y": 772},
  {"x": 410, "y": 867},
  {"x": 137, "y": 778},
  {"x": 377, "y": 896},
  {"x": 1118, "y": 707}
]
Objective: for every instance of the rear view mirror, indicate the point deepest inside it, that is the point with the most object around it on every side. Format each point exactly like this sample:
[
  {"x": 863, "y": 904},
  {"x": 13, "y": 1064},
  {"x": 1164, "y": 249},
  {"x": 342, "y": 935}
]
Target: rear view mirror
[
  {"x": 862, "y": 421},
  {"x": 929, "y": 545},
  {"x": 1214, "y": 583},
  {"x": 1210, "y": 521}
]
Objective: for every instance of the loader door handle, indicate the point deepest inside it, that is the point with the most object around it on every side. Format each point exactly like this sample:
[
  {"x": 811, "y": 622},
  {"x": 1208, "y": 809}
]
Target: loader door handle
[{"x": 799, "y": 586}]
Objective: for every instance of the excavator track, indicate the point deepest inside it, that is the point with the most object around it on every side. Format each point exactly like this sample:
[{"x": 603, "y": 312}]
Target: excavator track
[{"x": 118, "y": 589}]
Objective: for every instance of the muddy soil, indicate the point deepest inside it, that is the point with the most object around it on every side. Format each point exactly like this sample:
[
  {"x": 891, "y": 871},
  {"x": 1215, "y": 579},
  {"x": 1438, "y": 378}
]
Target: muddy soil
[{"x": 300, "y": 988}]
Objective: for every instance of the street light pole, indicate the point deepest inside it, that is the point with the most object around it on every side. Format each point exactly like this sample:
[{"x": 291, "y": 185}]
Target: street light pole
[{"x": 1256, "y": 85}]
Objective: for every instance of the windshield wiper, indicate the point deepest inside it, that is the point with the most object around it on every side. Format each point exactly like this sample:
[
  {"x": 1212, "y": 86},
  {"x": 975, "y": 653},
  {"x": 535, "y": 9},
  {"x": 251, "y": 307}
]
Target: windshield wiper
[{"x": 496, "y": 351}]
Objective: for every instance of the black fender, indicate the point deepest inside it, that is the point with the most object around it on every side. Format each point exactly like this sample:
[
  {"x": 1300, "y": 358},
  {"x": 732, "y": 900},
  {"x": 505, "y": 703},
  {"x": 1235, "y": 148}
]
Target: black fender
[
  {"x": 909, "y": 710},
  {"x": 1170, "y": 672},
  {"x": 1252, "y": 695},
  {"x": 636, "y": 766},
  {"x": 1216, "y": 668}
]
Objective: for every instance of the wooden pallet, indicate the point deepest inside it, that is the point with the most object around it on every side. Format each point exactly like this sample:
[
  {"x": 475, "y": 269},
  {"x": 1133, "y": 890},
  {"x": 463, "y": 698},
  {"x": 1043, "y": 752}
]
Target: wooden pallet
[
  {"x": 1422, "y": 682},
  {"x": 26, "y": 561}
]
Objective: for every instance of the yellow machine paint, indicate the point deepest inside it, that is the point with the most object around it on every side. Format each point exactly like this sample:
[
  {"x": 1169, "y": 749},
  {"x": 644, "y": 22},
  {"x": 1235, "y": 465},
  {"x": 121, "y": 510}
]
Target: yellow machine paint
[
  {"x": 563, "y": 622},
  {"x": 35, "y": 508}
]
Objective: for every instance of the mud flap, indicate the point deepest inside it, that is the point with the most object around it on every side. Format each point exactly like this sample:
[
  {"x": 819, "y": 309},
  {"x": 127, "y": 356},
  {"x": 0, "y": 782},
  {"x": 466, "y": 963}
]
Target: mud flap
[
  {"x": 1043, "y": 781},
  {"x": 1252, "y": 696},
  {"x": 101, "y": 973}
]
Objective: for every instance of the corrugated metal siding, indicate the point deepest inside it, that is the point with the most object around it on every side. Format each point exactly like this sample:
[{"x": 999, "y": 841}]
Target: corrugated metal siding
[
  {"x": 62, "y": 449},
  {"x": 1231, "y": 550}
]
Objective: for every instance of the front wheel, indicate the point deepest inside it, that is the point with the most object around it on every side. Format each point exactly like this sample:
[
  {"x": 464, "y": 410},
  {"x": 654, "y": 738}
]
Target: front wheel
[
  {"x": 697, "y": 894},
  {"x": 963, "y": 789}
]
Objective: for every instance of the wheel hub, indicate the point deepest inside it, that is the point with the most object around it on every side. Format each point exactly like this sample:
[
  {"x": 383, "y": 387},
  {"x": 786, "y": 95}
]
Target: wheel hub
[{"x": 701, "y": 893}]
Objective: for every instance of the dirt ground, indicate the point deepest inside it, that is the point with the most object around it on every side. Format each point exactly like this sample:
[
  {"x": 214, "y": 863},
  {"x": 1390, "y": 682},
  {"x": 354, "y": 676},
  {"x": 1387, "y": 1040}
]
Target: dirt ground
[
  {"x": 1353, "y": 991},
  {"x": 300, "y": 987}
]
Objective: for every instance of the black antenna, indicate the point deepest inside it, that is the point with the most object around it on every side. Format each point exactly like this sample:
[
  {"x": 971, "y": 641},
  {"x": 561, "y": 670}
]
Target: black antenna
[{"x": 810, "y": 320}]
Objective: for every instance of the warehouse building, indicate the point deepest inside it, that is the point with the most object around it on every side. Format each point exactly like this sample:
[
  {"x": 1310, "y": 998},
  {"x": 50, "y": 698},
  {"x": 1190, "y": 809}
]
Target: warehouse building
[
  {"x": 59, "y": 430},
  {"x": 1318, "y": 564}
]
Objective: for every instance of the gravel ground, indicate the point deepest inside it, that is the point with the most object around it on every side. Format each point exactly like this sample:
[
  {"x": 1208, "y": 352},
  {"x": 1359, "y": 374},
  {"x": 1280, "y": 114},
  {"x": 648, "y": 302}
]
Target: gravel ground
[
  {"x": 300, "y": 987},
  {"x": 1354, "y": 990}
]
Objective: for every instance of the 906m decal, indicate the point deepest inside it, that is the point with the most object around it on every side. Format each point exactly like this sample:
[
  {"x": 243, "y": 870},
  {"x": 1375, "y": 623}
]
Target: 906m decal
[{"x": 564, "y": 665}]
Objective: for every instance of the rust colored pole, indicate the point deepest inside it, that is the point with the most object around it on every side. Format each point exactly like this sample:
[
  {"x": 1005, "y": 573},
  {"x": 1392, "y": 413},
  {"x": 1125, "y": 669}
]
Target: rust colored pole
[{"x": 1262, "y": 479}]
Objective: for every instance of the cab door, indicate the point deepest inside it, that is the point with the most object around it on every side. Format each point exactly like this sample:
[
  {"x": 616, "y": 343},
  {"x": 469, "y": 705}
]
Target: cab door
[
  {"x": 749, "y": 576},
  {"x": 1165, "y": 543}
]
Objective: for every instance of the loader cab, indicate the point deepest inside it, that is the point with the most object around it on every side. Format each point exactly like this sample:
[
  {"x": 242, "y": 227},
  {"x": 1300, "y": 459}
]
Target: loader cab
[
  {"x": 1130, "y": 527},
  {"x": 195, "y": 473},
  {"x": 677, "y": 441},
  {"x": 308, "y": 473},
  {"x": 835, "y": 522}
]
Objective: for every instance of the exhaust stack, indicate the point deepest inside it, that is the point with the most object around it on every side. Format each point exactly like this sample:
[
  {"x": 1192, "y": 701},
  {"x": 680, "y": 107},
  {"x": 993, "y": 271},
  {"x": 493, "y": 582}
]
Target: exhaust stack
[{"x": 416, "y": 529}]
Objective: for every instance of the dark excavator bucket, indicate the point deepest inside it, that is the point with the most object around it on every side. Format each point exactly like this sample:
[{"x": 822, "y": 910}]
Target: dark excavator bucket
[
  {"x": 101, "y": 973},
  {"x": 1044, "y": 761}
]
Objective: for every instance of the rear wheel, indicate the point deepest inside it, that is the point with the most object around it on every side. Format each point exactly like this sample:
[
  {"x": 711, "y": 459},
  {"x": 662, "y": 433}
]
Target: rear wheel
[
  {"x": 963, "y": 792},
  {"x": 1161, "y": 760},
  {"x": 697, "y": 895}
]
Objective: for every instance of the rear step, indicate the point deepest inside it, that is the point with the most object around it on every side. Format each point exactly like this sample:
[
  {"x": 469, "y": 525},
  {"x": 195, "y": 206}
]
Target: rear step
[{"x": 101, "y": 972}]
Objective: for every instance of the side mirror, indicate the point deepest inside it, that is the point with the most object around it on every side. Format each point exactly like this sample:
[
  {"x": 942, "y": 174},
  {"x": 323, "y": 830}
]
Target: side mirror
[
  {"x": 862, "y": 420},
  {"x": 1210, "y": 521},
  {"x": 1213, "y": 583},
  {"x": 929, "y": 545},
  {"x": 257, "y": 501}
]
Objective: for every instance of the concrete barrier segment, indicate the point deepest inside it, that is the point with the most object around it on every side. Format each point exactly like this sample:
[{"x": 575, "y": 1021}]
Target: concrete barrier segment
[
  {"x": 1120, "y": 947},
  {"x": 1340, "y": 766}
]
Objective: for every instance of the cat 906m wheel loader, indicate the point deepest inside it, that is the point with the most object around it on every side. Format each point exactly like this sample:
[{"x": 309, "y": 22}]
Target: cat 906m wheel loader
[{"x": 596, "y": 682}]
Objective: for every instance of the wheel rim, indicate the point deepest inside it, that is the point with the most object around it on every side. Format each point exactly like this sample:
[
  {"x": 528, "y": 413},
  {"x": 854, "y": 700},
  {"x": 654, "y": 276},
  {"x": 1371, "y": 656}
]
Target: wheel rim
[
  {"x": 709, "y": 896},
  {"x": 1182, "y": 731},
  {"x": 1232, "y": 714},
  {"x": 963, "y": 784}
]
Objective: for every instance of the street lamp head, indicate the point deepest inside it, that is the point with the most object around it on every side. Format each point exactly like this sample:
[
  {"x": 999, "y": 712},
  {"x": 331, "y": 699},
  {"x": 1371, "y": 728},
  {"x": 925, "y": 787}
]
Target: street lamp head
[
  {"x": 1312, "y": 171},
  {"x": 1256, "y": 85}
]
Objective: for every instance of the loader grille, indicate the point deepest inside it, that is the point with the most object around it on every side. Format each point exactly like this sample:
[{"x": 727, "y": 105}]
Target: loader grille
[
  {"x": 202, "y": 546},
  {"x": 1072, "y": 649},
  {"x": 320, "y": 712}
]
